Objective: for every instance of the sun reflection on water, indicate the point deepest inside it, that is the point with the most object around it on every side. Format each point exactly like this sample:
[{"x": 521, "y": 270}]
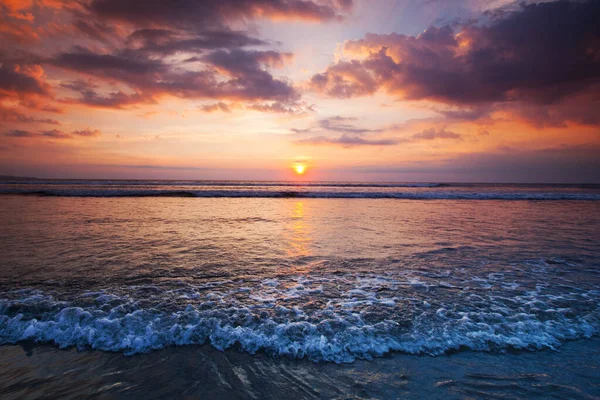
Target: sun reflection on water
[{"x": 299, "y": 235}]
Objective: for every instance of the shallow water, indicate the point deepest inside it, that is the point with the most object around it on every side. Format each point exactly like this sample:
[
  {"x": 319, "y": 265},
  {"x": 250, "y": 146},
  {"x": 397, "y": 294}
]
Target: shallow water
[
  {"x": 32, "y": 371},
  {"x": 334, "y": 280}
]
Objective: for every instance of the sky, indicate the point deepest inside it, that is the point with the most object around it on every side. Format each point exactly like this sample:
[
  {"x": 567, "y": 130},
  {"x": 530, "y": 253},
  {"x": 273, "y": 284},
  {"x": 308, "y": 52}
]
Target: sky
[{"x": 361, "y": 90}]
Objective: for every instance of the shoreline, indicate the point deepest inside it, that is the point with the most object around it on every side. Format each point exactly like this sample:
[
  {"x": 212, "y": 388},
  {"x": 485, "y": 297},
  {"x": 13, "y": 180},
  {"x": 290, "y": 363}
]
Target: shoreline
[{"x": 33, "y": 370}]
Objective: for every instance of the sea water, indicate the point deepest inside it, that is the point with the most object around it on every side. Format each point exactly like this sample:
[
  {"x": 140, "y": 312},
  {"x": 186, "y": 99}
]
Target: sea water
[{"x": 326, "y": 273}]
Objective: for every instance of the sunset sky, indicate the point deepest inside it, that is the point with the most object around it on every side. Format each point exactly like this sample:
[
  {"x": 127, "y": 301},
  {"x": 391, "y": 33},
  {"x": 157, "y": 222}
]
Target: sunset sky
[{"x": 406, "y": 90}]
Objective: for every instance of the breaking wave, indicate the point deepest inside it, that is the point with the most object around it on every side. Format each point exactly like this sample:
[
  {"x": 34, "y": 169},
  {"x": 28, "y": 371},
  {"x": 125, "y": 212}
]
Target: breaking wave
[
  {"x": 404, "y": 195},
  {"x": 346, "y": 190},
  {"x": 306, "y": 318}
]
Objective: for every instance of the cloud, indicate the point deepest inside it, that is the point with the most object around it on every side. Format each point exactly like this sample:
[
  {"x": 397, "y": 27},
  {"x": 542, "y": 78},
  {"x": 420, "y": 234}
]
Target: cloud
[
  {"x": 25, "y": 82},
  {"x": 346, "y": 79},
  {"x": 346, "y": 141},
  {"x": 21, "y": 79},
  {"x": 90, "y": 97},
  {"x": 87, "y": 132},
  {"x": 19, "y": 133},
  {"x": 432, "y": 134},
  {"x": 117, "y": 99},
  {"x": 166, "y": 42},
  {"x": 11, "y": 115},
  {"x": 342, "y": 124},
  {"x": 273, "y": 107},
  {"x": 468, "y": 113},
  {"x": 127, "y": 47},
  {"x": 283, "y": 107},
  {"x": 248, "y": 79},
  {"x": 120, "y": 66},
  {"x": 560, "y": 164},
  {"x": 246, "y": 62},
  {"x": 352, "y": 135},
  {"x": 56, "y": 134},
  {"x": 234, "y": 75},
  {"x": 214, "y": 12},
  {"x": 80, "y": 85},
  {"x": 337, "y": 124},
  {"x": 15, "y": 22},
  {"x": 544, "y": 55},
  {"x": 17, "y": 32},
  {"x": 220, "y": 106}
]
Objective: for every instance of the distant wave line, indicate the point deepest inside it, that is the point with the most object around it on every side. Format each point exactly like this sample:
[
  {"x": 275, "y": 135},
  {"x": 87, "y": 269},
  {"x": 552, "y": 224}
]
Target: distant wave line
[
  {"x": 423, "y": 195},
  {"x": 221, "y": 183}
]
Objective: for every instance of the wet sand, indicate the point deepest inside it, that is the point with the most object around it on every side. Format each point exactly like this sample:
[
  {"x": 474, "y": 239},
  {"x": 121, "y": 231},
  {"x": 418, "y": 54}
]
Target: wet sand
[{"x": 36, "y": 371}]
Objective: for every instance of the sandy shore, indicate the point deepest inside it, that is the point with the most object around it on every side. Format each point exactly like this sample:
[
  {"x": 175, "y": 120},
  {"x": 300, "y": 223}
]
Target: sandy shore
[{"x": 35, "y": 371}]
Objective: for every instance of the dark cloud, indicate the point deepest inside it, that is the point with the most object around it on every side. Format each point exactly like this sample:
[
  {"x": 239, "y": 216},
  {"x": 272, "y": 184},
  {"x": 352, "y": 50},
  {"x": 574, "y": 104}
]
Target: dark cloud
[
  {"x": 248, "y": 78},
  {"x": 117, "y": 99},
  {"x": 120, "y": 66},
  {"x": 96, "y": 29},
  {"x": 19, "y": 133},
  {"x": 80, "y": 85},
  {"x": 56, "y": 134},
  {"x": 87, "y": 132},
  {"x": 16, "y": 79},
  {"x": 127, "y": 44},
  {"x": 346, "y": 141},
  {"x": 90, "y": 97},
  {"x": 236, "y": 75},
  {"x": 168, "y": 42},
  {"x": 543, "y": 55},
  {"x": 213, "y": 13},
  {"x": 469, "y": 113},
  {"x": 581, "y": 108},
  {"x": 346, "y": 79},
  {"x": 201, "y": 30},
  {"x": 11, "y": 115},
  {"x": 244, "y": 62}
]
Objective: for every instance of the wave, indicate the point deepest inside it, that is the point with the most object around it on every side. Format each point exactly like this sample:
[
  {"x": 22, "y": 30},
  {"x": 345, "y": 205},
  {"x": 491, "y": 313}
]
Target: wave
[
  {"x": 402, "y": 195},
  {"x": 224, "y": 183},
  {"x": 361, "y": 323}
]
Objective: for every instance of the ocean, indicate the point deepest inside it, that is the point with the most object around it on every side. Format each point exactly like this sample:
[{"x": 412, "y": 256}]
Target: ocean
[{"x": 229, "y": 289}]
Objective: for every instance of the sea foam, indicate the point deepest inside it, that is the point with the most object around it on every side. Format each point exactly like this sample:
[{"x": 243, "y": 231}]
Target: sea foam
[{"x": 283, "y": 320}]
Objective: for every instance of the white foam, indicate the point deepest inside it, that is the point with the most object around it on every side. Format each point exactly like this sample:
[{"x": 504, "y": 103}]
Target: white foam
[
  {"x": 340, "y": 338},
  {"x": 323, "y": 317}
]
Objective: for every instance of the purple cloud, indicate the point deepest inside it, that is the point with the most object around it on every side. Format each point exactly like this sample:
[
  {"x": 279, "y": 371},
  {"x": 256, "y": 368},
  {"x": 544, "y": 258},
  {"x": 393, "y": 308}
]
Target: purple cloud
[
  {"x": 432, "y": 134},
  {"x": 56, "y": 134},
  {"x": 542, "y": 54},
  {"x": 87, "y": 132},
  {"x": 346, "y": 141}
]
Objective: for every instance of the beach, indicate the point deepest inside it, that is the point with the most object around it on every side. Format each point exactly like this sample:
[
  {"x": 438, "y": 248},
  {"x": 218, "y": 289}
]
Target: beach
[
  {"x": 133, "y": 289},
  {"x": 31, "y": 371}
]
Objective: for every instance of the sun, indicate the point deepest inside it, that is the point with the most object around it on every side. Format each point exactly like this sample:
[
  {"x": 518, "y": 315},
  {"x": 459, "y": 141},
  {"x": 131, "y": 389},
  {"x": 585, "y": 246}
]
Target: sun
[{"x": 300, "y": 169}]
